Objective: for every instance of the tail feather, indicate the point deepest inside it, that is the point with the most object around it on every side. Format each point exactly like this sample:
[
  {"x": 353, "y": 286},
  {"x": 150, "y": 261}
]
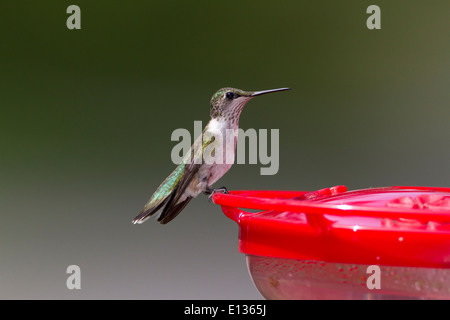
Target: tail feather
[
  {"x": 170, "y": 195},
  {"x": 148, "y": 212},
  {"x": 170, "y": 212}
]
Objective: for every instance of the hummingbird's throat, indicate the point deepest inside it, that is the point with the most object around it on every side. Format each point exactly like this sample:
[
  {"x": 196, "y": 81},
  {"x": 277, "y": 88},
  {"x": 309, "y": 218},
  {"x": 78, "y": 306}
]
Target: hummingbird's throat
[{"x": 230, "y": 112}]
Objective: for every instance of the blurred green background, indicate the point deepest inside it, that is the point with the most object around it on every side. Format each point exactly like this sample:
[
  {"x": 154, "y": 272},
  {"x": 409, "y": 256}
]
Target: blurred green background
[{"x": 87, "y": 116}]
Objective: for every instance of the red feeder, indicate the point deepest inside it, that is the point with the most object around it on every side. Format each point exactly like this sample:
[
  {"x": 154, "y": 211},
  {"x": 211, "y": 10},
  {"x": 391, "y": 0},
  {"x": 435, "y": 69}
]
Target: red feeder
[{"x": 322, "y": 244}]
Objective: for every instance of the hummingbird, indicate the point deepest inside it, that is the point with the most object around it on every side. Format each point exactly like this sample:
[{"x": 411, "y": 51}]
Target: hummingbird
[{"x": 192, "y": 177}]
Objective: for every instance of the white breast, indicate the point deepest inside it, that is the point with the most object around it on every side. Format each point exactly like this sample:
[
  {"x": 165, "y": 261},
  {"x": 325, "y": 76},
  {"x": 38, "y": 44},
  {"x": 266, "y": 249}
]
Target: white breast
[
  {"x": 219, "y": 128},
  {"x": 215, "y": 126}
]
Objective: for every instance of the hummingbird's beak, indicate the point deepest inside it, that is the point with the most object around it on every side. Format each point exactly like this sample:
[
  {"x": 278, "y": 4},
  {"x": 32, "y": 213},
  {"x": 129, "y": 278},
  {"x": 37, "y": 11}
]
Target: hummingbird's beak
[{"x": 258, "y": 93}]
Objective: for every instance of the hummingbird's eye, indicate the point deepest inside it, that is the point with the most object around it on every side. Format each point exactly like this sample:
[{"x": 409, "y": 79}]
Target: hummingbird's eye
[{"x": 229, "y": 95}]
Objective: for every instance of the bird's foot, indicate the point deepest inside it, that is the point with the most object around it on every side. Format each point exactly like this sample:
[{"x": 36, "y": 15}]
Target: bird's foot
[{"x": 212, "y": 191}]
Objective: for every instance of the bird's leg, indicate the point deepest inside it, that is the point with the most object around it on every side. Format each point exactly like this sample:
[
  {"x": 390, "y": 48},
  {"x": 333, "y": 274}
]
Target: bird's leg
[{"x": 209, "y": 191}]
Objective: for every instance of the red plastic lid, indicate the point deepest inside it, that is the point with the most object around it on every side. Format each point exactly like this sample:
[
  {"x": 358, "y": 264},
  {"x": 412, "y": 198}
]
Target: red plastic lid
[{"x": 401, "y": 226}]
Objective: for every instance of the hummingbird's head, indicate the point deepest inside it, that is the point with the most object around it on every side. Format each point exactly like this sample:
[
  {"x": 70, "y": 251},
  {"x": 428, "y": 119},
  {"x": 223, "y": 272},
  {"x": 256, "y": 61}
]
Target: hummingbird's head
[{"x": 227, "y": 103}]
